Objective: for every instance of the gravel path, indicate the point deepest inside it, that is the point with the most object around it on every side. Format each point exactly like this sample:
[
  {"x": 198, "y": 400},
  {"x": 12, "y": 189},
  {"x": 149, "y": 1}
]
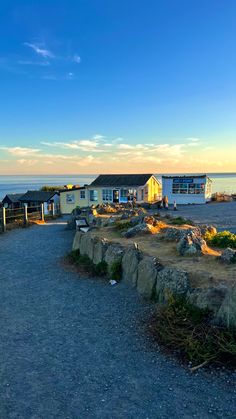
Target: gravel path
[
  {"x": 220, "y": 214},
  {"x": 77, "y": 348}
]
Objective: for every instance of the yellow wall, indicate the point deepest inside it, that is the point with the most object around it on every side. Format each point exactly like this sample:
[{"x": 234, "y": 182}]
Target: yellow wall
[
  {"x": 66, "y": 207},
  {"x": 154, "y": 189}
]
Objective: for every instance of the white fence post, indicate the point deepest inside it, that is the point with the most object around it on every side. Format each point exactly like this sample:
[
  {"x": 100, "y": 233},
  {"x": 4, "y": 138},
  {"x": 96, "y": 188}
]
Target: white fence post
[
  {"x": 42, "y": 212},
  {"x": 25, "y": 214},
  {"x": 4, "y": 223}
]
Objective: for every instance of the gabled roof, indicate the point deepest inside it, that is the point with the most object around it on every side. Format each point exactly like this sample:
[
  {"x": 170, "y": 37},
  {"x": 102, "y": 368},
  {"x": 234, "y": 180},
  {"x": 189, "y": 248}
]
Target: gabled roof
[
  {"x": 37, "y": 196},
  {"x": 121, "y": 180},
  {"x": 13, "y": 198}
]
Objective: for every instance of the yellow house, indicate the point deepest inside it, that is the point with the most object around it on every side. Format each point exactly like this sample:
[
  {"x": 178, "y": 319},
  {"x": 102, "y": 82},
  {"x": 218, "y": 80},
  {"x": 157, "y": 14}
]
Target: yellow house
[{"x": 112, "y": 189}]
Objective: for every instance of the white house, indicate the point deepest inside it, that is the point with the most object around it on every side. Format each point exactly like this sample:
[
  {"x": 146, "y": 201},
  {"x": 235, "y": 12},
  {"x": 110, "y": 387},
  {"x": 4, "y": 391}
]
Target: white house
[{"x": 195, "y": 189}]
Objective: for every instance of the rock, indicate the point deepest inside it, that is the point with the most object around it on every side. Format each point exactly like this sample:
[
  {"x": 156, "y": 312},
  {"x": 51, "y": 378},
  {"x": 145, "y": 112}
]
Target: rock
[
  {"x": 149, "y": 219},
  {"x": 113, "y": 254},
  {"x": 139, "y": 229},
  {"x": 76, "y": 242},
  {"x": 228, "y": 256},
  {"x": 176, "y": 234},
  {"x": 99, "y": 250},
  {"x": 227, "y": 313},
  {"x": 130, "y": 263},
  {"x": 147, "y": 275},
  {"x": 208, "y": 298},
  {"x": 86, "y": 245},
  {"x": 171, "y": 281},
  {"x": 191, "y": 244},
  {"x": 207, "y": 229}
]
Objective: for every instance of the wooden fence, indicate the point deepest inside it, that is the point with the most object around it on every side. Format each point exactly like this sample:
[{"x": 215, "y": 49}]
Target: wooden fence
[{"x": 24, "y": 215}]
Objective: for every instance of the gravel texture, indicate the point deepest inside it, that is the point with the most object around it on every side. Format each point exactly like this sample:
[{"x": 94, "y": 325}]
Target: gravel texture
[
  {"x": 77, "y": 348},
  {"x": 220, "y": 214}
]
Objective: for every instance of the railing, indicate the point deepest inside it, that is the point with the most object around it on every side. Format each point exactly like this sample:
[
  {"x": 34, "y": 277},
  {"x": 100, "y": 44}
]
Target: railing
[{"x": 25, "y": 215}]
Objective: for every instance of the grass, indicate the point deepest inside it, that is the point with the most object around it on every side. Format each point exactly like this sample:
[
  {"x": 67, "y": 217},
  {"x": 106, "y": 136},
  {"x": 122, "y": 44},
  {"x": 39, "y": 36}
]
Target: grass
[
  {"x": 125, "y": 225},
  {"x": 85, "y": 263},
  {"x": 181, "y": 221},
  {"x": 222, "y": 239},
  {"x": 116, "y": 270},
  {"x": 187, "y": 331}
]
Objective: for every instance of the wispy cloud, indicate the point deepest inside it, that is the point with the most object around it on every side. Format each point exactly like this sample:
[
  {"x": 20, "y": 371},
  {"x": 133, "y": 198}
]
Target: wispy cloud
[
  {"x": 39, "y": 63},
  {"x": 76, "y": 59},
  {"x": 43, "y": 52},
  {"x": 20, "y": 151}
]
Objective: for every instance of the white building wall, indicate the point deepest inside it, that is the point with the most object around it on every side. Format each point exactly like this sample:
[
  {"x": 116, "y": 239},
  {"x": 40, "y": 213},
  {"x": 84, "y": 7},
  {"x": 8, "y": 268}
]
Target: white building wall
[{"x": 167, "y": 184}]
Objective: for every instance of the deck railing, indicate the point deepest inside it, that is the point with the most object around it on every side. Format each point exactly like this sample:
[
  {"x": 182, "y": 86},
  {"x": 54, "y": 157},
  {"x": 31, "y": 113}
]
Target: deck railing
[{"x": 24, "y": 215}]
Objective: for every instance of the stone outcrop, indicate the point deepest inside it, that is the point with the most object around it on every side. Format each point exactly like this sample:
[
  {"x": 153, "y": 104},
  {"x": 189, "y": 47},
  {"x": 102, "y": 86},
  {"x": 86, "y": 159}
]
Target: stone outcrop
[
  {"x": 139, "y": 229},
  {"x": 192, "y": 244},
  {"x": 226, "y": 315},
  {"x": 130, "y": 263},
  {"x": 176, "y": 234},
  {"x": 99, "y": 250},
  {"x": 147, "y": 276},
  {"x": 113, "y": 254},
  {"x": 207, "y": 229},
  {"x": 76, "y": 241},
  {"x": 171, "y": 281},
  {"x": 86, "y": 245},
  {"x": 208, "y": 298},
  {"x": 228, "y": 256}
]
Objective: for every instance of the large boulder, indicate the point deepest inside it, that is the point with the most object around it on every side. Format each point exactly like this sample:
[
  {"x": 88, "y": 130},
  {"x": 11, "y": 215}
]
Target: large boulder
[
  {"x": 207, "y": 229},
  {"x": 227, "y": 313},
  {"x": 113, "y": 254},
  {"x": 147, "y": 276},
  {"x": 86, "y": 245},
  {"x": 130, "y": 263},
  {"x": 228, "y": 256},
  {"x": 139, "y": 229},
  {"x": 176, "y": 234},
  {"x": 77, "y": 239},
  {"x": 99, "y": 250},
  {"x": 191, "y": 245},
  {"x": 208, "y": 298},
  {"x": 171, "y": 281}
]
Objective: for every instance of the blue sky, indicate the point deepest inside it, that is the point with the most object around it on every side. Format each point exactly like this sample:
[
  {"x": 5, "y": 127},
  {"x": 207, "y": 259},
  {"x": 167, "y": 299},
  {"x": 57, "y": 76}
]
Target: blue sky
[{"x": 117, "y": 85}]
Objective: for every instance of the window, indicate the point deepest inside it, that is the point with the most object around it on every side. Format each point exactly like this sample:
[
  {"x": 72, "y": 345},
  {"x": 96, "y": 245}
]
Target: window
[
  {"x": 107, "y": 195},
  {"x": 82, "y": 194},
  {"x": 142, "y": 194},
  {"x": 70, "y": 198},
  {"x": 186, "y": 186},
  {"x": 93, "y": 195}
]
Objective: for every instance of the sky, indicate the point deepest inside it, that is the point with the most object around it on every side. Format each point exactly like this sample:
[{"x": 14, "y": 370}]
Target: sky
[{"x": 117, "y": 86}]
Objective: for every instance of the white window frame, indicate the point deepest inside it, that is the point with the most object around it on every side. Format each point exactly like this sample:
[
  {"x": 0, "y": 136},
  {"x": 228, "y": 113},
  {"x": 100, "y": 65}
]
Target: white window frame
[{"x": 83, "y": 191}]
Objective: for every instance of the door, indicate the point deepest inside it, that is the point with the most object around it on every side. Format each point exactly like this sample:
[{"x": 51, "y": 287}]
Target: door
[{"x": 116, "y": 196}]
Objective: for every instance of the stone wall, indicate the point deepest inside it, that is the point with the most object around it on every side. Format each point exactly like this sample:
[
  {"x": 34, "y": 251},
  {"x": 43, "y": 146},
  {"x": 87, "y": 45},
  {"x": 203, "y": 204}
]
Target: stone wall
[{"x": 156, "y": 282}]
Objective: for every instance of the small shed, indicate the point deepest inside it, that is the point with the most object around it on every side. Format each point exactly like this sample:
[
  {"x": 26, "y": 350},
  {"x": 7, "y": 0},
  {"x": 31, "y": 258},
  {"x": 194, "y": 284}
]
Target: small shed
[
  {"x": 192, "y": 189},
  {"x": 12, "y": 201},
  {"x": 36, "y": 198}
]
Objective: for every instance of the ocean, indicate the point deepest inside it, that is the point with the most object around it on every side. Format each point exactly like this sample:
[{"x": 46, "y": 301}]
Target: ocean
[{"x": 222, "y": 182}]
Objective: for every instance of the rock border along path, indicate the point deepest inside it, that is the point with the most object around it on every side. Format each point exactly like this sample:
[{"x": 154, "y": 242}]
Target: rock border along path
[{"x": 77, "y": 348}]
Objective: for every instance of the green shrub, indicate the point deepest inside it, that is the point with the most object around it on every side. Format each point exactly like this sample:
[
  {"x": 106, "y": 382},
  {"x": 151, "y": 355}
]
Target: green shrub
[
  {"x": 101, "y": 268},
  {"x": 122, "y": 226},
  {"x": 84, "y": 262},
  {"x": 222, "y": 239},
  {"x": 180, "y": 221},
  {"x": 187, "y": 330},
  {"x": 116, "y": 270}
]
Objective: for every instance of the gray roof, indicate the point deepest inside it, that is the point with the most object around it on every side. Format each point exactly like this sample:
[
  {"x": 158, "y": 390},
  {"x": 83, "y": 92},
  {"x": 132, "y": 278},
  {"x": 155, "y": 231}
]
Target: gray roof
[
  {"x": 133, "y": 180},
  {"x": 15, "y": 197},
  {"x": 37, "y": 196}
]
